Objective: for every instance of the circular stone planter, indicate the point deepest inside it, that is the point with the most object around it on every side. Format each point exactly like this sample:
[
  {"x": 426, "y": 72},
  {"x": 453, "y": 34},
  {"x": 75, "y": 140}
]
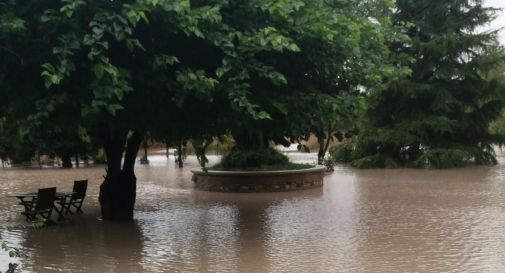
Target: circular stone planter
[{"x": 258, "y": 181}]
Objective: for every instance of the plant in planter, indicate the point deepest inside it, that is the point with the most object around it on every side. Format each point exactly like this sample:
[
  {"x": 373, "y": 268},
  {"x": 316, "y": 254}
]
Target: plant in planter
[{"x": 265, "y": 159}]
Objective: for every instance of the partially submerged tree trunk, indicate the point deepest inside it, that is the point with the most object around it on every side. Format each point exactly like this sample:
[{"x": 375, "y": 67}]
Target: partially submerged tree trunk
[
  {"x": 144, "y": 160},
  {"x": 66, "y": 161},
  {"x": 179, "y": 154},
  {"x": 200, "y": 147},
  {"x": 118, "y": 191},
  {"x": 324, "y": 144}
]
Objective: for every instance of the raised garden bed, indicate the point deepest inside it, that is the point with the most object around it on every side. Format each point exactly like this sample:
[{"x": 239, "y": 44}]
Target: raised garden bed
[{"x": 258, "y": 181}]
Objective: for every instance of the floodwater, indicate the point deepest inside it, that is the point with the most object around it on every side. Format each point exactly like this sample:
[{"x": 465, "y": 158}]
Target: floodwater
[{"x": 360, "y": 221}]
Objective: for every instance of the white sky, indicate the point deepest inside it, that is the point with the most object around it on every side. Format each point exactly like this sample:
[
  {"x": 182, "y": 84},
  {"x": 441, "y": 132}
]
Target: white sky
[{"x": 500, "y": 20}]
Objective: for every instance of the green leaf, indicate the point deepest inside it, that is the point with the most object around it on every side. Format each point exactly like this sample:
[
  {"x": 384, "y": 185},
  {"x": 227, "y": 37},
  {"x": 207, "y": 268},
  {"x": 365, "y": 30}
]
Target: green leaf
[
  {"x": 98, "y": 69},
  {"x": 49, "y": 15},
  {"x": 263, "y": 115},
  {"x": 98, "y": 31},
  {"x": 134, "y": 43},
  {"x": 222, "y": 70},
  {"x": 163, "y": 61}
]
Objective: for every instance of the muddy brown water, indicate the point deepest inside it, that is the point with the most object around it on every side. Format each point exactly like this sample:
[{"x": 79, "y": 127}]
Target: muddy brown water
[{"x": 360, "y": 221}]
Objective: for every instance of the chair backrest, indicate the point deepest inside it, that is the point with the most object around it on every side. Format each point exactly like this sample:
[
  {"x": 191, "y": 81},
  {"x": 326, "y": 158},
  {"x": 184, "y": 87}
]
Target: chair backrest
[
  {"x": 80, "y": 187},
  {"x": 45, "y": 198}
]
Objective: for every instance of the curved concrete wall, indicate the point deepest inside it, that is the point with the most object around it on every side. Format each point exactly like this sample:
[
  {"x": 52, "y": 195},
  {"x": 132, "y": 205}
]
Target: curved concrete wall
[{"x": 258, "y": 181}]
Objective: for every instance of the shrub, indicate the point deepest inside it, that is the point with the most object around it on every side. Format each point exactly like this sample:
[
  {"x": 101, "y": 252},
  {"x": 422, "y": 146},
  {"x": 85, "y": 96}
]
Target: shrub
[
  {"x": 329, "y": 162},
  {"x": 375, "y": 161},
  {"x": 444, "y": 158},
  {"x": 344, "y": 152},
  {"x": 247, "y": 159}
]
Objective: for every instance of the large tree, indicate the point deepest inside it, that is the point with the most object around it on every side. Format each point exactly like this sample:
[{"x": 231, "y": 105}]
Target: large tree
[
  {"x": 129, "y": 67},
  {"x": 439, "y": 115},
  {"x": 340, "y": 52},
  {"x": 177, "y": 68}
]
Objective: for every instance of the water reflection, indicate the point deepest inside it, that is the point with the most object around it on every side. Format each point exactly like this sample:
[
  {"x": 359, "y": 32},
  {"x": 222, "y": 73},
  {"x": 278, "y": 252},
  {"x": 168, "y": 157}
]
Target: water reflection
[
  {"x": 361, "y": 221},
  {"x": 252, "y": 226},
  {"x": 430, "y": 221},
  {"x": 84, "y": 245},
  {"x": 189, "y": 239}
]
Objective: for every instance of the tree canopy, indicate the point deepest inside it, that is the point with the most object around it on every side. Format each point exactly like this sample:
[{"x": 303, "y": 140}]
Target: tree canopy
[
  {"x": 111, "y": 71},
  {"x": 439, "y": 115}
]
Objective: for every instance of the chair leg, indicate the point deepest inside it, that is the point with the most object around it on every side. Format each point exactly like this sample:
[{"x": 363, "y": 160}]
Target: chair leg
[
  {"x": 79, "y": 210},
  {"x": 29, "y": 217},
  {"x": 67, "y": 207},
  {"x": 46, "y": 215},
  {"x": 49, "y": 214},
  {"x": 77, "y": 205},
  {"x": 28, "y": 205},
  {"x": 68, "y": 210}
]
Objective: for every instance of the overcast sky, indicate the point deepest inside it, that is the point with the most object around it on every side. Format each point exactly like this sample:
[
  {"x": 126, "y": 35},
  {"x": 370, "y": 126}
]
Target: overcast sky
[{"x": 500, "y": 21}]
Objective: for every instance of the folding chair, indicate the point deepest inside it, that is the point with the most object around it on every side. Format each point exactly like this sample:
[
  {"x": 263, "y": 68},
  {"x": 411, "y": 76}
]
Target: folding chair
[
  {"x": 80, "y": 187},
  {"x": 44, "y": 204}
]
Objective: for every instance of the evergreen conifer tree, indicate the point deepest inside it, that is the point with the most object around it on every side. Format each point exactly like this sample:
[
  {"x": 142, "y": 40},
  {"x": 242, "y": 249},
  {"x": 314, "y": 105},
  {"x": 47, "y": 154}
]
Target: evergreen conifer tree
[{"x": 439, "y": 115}]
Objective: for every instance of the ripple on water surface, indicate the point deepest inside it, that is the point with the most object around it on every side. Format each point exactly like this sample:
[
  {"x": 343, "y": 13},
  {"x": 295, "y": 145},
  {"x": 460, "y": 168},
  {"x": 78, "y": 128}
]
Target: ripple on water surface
[{"x": 361, "y": 221}]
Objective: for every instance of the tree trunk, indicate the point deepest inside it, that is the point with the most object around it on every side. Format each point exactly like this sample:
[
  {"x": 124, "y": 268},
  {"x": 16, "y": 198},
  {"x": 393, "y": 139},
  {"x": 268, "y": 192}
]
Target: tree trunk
[
  {"x": 179, "y": 155},
  {"x": 321, "y": 152},
  {"x": 251, "y": 141},
  {"x": 118, "y": 191},
  {"x": 324, "y": 144},
  {"x": 144, "y": 160},
  {"x": 77, "y": 160},
  {"x": 66, "y": 161}
]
